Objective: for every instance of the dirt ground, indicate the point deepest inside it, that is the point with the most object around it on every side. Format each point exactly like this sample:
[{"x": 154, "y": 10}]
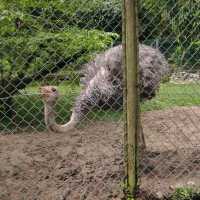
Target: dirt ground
[{"x": 88, "y": 163}]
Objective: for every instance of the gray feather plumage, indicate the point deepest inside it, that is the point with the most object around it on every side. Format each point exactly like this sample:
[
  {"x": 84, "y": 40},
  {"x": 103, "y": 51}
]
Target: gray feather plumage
[{"x": 102, "y": 81}]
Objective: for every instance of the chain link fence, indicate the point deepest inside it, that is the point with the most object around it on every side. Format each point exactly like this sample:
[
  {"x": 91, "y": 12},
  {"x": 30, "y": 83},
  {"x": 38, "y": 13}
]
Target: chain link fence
[
  {"x": 76, "y": 46},
  {"x": 170, "y": 120}
]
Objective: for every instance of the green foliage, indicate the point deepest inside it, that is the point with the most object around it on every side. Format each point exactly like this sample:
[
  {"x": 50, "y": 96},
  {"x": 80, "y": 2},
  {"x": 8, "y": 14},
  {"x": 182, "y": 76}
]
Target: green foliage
[
  {"x": 185, "y": 194},
  {"x": 43, "y": 37},
  {"x": 175, "y": 24},
  {"x": 55, "y": 15},
  {"x": 30, "y": 54}
]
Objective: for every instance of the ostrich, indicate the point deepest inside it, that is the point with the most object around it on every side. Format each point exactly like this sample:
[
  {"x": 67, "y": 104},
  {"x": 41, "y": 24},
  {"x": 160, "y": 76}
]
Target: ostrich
[{"x": 103, "y": 84}]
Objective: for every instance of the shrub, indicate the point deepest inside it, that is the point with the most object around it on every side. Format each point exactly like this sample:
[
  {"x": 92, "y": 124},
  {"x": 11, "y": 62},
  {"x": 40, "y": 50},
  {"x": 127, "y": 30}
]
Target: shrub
[
  {"x": 55, "y": 15},
  {"x": 175, "y": 25},
  {"x": 33, "y": 57},
  {"x": 29, "y": 43},
  {"x": 185, "y": 194},
  {"x": 48, "y": 50}
]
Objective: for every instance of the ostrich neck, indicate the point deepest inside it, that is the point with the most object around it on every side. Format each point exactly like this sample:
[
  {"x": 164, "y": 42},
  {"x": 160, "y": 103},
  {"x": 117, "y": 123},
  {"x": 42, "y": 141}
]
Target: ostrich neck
[
  {"x": 49, "y": 114},
  {"x": 50, "y": 121}
]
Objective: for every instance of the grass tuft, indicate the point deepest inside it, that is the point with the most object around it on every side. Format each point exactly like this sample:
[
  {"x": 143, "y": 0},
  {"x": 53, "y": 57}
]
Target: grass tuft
[{"x": 186, "y": 194}]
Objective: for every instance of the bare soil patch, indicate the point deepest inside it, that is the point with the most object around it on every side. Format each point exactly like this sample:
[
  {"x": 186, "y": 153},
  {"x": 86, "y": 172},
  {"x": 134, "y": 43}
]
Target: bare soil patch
[{"x": 88, "y": 163}]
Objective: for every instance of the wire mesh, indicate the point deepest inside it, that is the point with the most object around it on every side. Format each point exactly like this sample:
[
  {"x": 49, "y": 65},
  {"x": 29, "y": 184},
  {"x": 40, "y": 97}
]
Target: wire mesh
[
  {"x": 170, "y": 120},
  {"x": 76, "y": 46}
]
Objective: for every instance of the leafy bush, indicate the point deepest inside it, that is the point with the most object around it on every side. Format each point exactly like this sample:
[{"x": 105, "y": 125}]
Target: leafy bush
[
  {"x": 24, "y": 59},
  {"x": 175, "y": 25},
  {"x": 29, "y": 45},
  {"x": 55, "y": 15},
  {"x": 186, "y": 194},
  {"x": 48, "y": 50}
]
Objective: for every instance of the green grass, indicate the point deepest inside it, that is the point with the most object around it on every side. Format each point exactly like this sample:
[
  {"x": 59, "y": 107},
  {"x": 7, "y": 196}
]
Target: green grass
[
  {"x": 29, "y": 109},
  {"x": 171, "y": 95}
]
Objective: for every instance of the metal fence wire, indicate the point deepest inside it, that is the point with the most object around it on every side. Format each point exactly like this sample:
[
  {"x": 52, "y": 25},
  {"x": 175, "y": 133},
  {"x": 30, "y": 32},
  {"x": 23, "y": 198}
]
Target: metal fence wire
[{"x": 61, "y": 63}]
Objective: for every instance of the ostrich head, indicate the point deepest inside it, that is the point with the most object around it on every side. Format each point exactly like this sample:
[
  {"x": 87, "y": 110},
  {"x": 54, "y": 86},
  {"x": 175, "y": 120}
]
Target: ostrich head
[{"x": 49, "y": 94}]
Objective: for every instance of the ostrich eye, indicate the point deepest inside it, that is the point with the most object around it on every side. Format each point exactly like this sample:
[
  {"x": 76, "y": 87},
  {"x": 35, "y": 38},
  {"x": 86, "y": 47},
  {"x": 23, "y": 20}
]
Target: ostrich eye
[{"x": 53, "y": 89}]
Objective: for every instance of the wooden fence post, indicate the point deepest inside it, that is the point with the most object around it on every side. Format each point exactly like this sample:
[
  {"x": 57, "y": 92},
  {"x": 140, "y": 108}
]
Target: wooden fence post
[{"x": 131, "y": 99}]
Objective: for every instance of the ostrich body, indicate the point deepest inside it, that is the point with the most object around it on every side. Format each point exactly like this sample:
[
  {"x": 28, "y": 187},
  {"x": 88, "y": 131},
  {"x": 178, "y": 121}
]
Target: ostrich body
[{"x": 103, "y": 84}]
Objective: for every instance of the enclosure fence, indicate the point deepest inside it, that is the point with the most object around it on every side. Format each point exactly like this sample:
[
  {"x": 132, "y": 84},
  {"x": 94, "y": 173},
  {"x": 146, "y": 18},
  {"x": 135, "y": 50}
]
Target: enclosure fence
[{"x": 56, "y": 43}]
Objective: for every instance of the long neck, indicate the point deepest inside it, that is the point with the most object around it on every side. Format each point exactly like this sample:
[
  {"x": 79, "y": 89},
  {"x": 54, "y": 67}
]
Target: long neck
[{"x": 51, "y": 124}]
